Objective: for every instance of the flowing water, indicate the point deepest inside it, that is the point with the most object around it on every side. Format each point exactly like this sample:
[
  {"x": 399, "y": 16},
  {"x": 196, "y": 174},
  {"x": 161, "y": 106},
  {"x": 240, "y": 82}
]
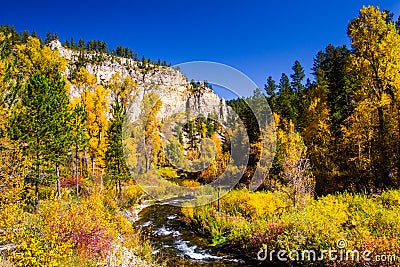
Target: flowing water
[{"x": 177, "y": 244}]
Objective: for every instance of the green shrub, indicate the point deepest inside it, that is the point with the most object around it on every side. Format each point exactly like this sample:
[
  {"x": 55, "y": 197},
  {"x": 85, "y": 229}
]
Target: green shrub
[{"x": 255, "y": 220}]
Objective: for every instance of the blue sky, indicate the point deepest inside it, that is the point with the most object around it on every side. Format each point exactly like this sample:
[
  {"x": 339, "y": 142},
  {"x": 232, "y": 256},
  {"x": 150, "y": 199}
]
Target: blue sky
[{"x": 259, "y": 38}]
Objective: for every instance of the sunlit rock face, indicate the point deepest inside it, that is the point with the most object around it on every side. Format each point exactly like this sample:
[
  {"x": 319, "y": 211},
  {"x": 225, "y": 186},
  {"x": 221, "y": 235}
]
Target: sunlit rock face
[{"x": 173, "y": 88}]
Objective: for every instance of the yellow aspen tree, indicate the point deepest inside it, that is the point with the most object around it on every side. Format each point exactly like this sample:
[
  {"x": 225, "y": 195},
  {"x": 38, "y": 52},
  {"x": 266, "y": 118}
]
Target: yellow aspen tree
[
  {"x": 151, "y": 105},
  {"x": 212, "y": 153},
  {"x": 96, "y": 109},
  {"x": 122, "y": 90},
  {"x": 33, "y": 58},
  {"x": 296, "y": 176},
  {"x": 131, "y": 146},
  {"x": 12, "y": 165},
  {"x": 359, "y": 134},
  {"x": 317, "y": 135},
  {"x": 84, "y": 83},
  {"x": 12, "y": 173},
  {"x": 376, "y": 64}
]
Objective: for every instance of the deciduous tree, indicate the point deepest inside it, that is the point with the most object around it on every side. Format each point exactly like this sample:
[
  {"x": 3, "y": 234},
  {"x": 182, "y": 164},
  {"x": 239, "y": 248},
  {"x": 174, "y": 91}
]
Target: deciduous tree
[
  {"x": 376, "y": 63},
  {"x": 96, "y": 106}
]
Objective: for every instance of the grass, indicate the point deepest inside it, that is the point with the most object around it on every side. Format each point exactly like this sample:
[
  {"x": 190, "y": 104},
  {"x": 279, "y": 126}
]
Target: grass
[{"x": 253, "y": 221}]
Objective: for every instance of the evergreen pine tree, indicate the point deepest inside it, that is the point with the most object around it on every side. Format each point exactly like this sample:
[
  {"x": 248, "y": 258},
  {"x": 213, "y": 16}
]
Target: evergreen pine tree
[
  {"x": 116, "y": 166},
  {"x": 271, "y": 90},
  {"x": 286, "y": 105},
  {"x": 38, "y": 121},
  {"x": 297, "y": 77}
]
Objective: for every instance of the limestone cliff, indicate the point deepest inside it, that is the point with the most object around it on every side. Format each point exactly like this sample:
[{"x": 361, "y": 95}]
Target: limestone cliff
[{"x": 168, "y": 83}]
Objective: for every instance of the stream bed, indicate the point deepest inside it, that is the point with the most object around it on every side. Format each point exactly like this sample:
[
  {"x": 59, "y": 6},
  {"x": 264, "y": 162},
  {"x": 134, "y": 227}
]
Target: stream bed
[{"x": 175, "y": 243}]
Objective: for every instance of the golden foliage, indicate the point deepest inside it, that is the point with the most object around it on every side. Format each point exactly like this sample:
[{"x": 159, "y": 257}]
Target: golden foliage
[
  {"x": 122, "y": 90},
  {"x": 96, "y": 106},
  {"x": 33, "y": 58}
]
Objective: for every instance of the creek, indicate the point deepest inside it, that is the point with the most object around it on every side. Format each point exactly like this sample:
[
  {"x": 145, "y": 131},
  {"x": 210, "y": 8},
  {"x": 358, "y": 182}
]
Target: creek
[{"x": 177, "y": 244}]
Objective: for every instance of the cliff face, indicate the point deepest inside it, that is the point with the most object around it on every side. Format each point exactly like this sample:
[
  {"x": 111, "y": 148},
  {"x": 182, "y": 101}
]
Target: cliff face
[{"x": 168, "y": 83}]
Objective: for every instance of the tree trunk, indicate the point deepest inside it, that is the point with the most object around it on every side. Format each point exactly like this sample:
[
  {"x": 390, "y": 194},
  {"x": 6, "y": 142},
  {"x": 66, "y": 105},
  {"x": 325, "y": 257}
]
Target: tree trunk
[
  {"x": 85, "y": 163},
  {"x": 58, "y": 180},
  {"x": 101, "y": 183},
  {"x": 93, "y": 165},
  {"x": 120, "y": 188},
  {"x": 77, "y": 173},
  {"x": 37, "y": 182},
  {"x": 146, "y": 160},
  {"x": 119, "y": 180},
  {"x": 383, "y": 157}
]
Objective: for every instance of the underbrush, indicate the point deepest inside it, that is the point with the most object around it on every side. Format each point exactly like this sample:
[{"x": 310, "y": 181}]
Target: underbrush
[
  {"x": 264, "y": 220},
  {"x": 88, "y": 232}
]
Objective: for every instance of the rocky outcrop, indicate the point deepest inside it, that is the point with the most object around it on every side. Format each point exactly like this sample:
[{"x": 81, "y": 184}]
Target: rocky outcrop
[
  {"x": 205, "y": 101},
  {"x": 168, "y": 83}
]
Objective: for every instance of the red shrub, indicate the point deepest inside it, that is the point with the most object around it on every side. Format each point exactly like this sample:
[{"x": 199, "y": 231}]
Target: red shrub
[
  {"x": 70, "y": 181},
  {"x": 95, "y": 243}
]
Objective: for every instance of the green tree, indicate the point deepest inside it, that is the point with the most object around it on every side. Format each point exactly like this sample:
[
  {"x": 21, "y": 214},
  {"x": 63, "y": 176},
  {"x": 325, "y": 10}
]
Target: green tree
[
  {"x": 38, "y": 122},
  {"x": 286, "y": 105},
  {"x": 116, "y": 165},
  {"x": 297, "y": 77},
  {"x": 271, "y": 90},
  {"x": 331, "y": 70},
  {"x": 120, "y": 51},
  {"x": 81, "y": 44},
  {"x": 334, "y": 86},
  {"x": 144, "y": 62},
  {"x": 121, "y": 93},
  {"x": 60, "y": 144}
]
